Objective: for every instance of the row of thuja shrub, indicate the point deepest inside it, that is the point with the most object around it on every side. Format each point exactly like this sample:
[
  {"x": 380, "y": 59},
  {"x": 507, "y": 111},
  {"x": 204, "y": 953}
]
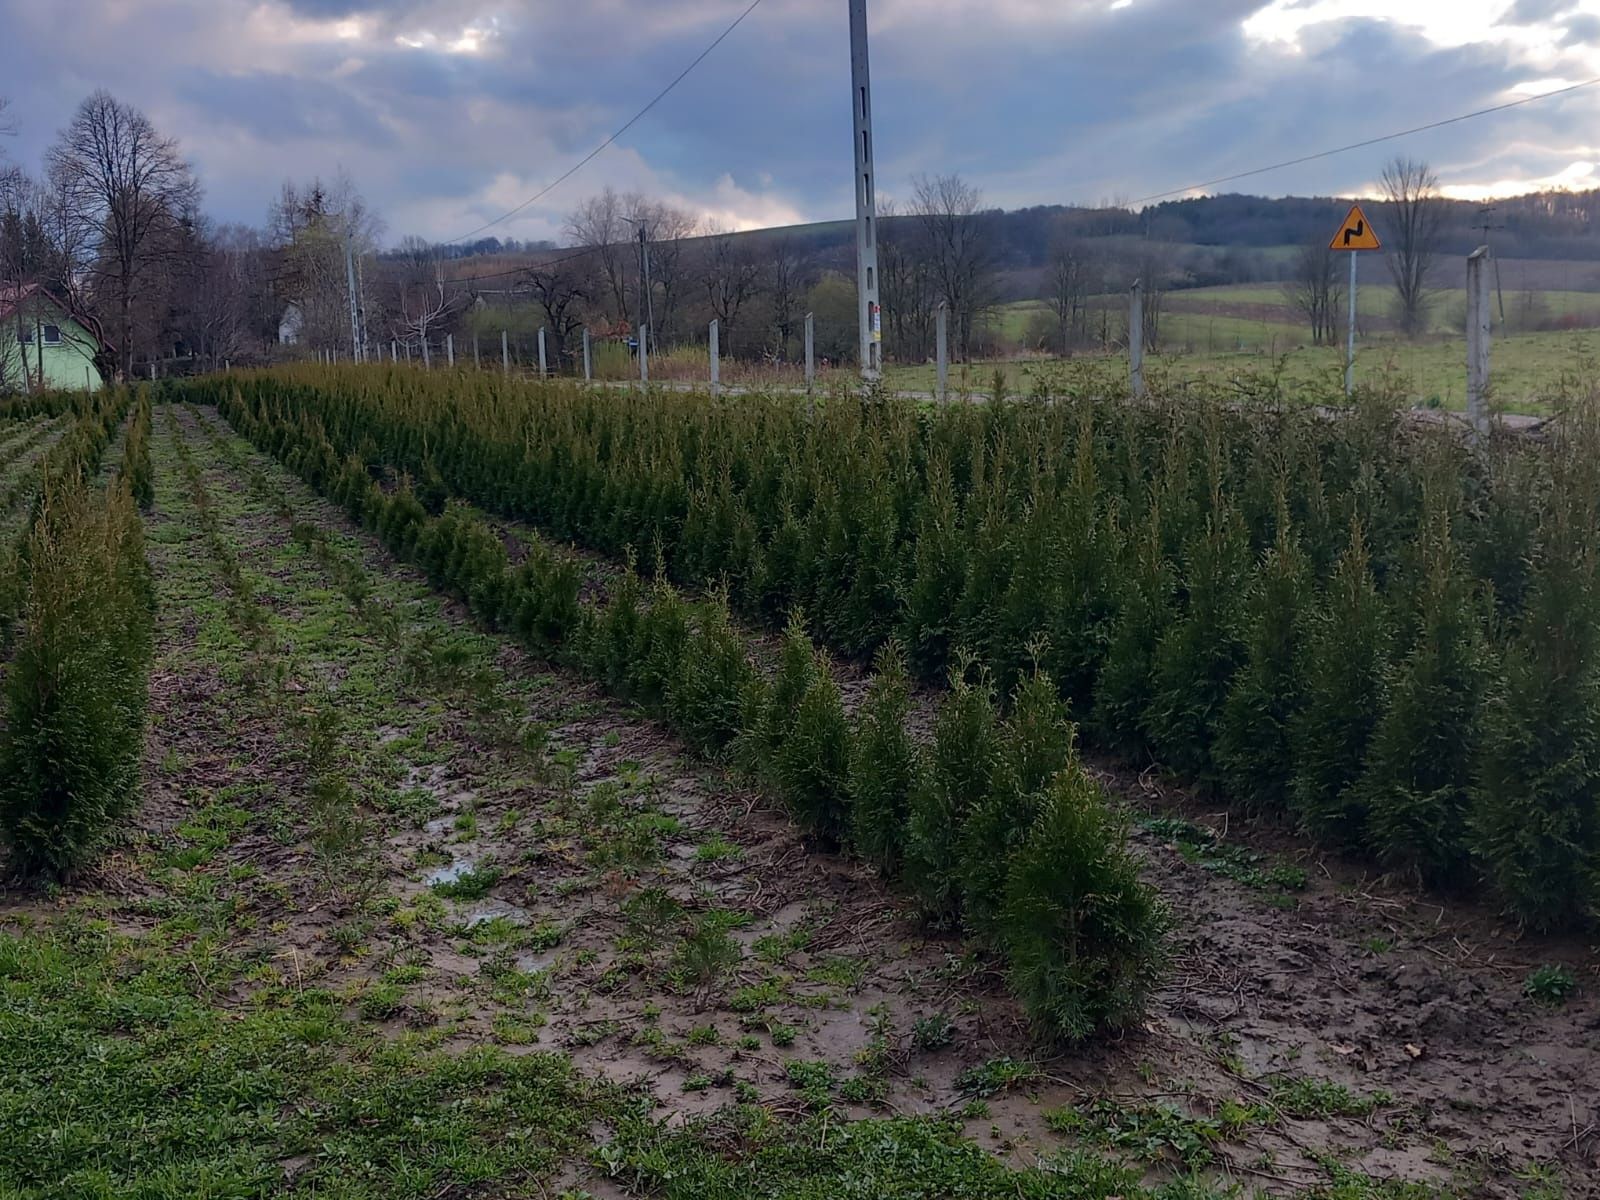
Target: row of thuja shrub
[
  {"x": 1358, "y": 620},
  {"x": 80, "y": 642},
  {"x": 994, "y": 826}
]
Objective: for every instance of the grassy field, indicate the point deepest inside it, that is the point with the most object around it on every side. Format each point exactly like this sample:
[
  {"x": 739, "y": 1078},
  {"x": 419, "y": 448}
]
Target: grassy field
[{"x": 1531, "y": 371}]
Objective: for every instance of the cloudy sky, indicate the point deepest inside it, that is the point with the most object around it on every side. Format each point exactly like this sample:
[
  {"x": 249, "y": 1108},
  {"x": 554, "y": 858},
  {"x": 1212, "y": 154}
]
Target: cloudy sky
[{"x": 446, "y": 113}]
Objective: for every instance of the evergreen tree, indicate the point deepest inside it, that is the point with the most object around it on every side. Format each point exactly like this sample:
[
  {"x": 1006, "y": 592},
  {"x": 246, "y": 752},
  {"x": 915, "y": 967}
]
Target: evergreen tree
[
  {"x": 1083, "y": 935},
  {"x": 1536, "y": 809},
  {"x": 1252, "y": 751},
  {"x": 961, "y": 767},
  {"x": 884, "y": 765},
  {"x": 1198, "y": 654},
  {"x": 1036, "y": 741},
  {"x": 1420, "y": 767},
  {"x": 1345, "y": 659}
]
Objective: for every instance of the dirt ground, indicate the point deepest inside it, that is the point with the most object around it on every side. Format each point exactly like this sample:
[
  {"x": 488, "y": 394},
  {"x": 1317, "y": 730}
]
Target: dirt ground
[{"x": 527, "y": 858}]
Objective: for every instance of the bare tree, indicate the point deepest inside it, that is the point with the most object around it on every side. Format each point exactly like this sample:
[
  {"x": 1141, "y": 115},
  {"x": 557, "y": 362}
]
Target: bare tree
[
  {"x": 906, "y": 286},
  {"x": 122, "y": 179},
  {"x": 787, "y": 288},
  {"x": 421, "y": 300},
  {"x": 1416, "y": 219},
  {"x": 670, "y": 230},
  {"x": 956, "y": 240},
  {"x": 1067, "y": 291},
  {"x": 1315, "y": 291},
  {"x": 730, "y": 275},
  {"x": 562, "y": 289},
  {"x": 600, "y": 224}
]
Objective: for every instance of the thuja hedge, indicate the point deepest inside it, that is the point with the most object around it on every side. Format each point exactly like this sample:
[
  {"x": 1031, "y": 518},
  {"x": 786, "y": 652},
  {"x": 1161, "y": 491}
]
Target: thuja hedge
[
  {"x": 75, "y": 684},
  {"x": 995, "y": 827},
  {"x": 1355, "y": 620}
]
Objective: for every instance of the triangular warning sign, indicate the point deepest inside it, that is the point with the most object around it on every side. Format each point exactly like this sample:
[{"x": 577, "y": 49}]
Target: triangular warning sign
[{"x": 1356, "y": 233}]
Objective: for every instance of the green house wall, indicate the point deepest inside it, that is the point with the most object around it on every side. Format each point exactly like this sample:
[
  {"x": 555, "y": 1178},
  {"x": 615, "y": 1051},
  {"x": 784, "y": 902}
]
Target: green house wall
[{"x": 68, "y": 364}]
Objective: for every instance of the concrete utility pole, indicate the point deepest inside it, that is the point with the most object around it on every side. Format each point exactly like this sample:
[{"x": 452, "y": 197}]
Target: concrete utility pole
[
  {"x": 1136, "y": 339},
  {"x": 716, "y": 363},
  {"x": 544, "y": 369},
  {"x": 588, "y": 361},
  {"x": 1478, "y": 314},
  {"x": 646, "y": 316},
  {"x": 870, "y": 315},
  {"x": 355, "y": 310},
  {"x": 942, "y": 338}
]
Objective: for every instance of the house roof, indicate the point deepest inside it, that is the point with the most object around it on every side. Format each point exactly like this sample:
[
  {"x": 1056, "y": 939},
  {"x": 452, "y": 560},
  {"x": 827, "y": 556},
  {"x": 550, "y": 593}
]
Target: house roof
[{"x": 12, "y": 295}]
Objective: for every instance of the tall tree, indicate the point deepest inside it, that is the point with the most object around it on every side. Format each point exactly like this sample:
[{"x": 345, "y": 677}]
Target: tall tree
[
  {"x": 730, "y": 275},
  {"x": 905, "y": 285},
  {"x": 562, "y": 288},
  {"x": 600, "y": 224},
  {"x": 122, "y": 179},
  {"x": 1066, "y": 285},
  {"x": 950, "y": 213},
  {"x": 1416, "y": 222}
]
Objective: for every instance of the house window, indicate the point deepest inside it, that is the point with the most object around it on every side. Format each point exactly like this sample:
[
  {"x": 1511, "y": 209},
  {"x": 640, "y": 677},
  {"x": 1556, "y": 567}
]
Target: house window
[{"x": 52, "y": 335}]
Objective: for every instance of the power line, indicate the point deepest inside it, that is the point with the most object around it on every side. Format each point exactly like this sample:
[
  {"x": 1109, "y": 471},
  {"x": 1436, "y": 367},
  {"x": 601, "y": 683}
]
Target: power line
[
  {"x": 1388, "y": 137},
  {"x": 631, "y": 122}
]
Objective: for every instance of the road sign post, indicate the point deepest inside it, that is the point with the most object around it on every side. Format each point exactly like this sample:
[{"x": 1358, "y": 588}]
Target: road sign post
[{"x": 1355, "y": 235}]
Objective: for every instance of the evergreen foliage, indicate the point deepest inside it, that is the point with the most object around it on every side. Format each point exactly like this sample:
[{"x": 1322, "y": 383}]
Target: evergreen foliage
[{"x": 884, "y": 765}]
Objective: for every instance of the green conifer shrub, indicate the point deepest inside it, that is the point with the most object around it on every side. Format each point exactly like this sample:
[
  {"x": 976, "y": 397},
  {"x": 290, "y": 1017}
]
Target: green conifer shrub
[
  {"x": 1036, "y": 741},
  {"x": 884, "y": 764},
  {"x": 1253, "y": 750},
  {"x": 75, "y": 698},
  {"x": 1083, "y": 935},
  {"x": 1536, "y": 807},
  {"x": 960, "y": 769},
  {"x": 812, "y": 763},
  {"x": 1345, "y": 659},
  {"x": 1420, "y": 767}
]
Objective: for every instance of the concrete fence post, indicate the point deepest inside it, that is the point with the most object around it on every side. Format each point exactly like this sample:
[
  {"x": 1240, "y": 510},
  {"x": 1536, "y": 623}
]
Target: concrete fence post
[
  {"x": 544, "y": 366},
  {"x": 811, "y": 352},
  {"x": 644, "y": 355},
  {"x": 588, "y": 361},
  {"x": 505, "y": 351},
  {"x": 477, "y": 363},
  {"x": 716, "y": 363},
  {"x": 1136, "y": 339},
  {"x": 942, "y": 350},
  {"x": 450, "y": 348}
]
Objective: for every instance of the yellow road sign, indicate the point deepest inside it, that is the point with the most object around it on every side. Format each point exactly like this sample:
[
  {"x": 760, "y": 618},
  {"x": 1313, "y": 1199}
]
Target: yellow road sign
[{"x": 1356, "y": 233}]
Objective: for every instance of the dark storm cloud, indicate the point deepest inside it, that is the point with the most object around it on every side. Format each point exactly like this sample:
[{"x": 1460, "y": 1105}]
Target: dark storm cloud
[{"x": 1037, "y": 102}]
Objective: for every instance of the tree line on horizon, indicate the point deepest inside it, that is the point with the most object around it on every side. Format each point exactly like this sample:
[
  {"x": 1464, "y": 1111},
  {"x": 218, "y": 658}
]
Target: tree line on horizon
[{"x": 114, "y": 228}]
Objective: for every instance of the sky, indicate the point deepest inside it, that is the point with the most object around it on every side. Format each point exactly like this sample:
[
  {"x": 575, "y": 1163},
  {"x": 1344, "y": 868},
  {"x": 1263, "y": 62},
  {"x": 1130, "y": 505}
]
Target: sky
[{"x": 448, "y": 113}]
